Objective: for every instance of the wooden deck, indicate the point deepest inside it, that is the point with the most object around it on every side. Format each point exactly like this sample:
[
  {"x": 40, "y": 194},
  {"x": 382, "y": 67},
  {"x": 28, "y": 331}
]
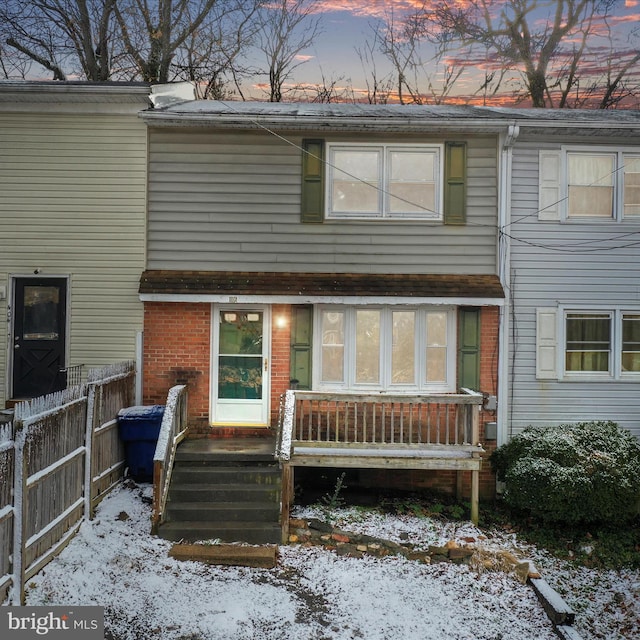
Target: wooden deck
[
  {"x": 430, "y": 432},
  {"x": 435, "y": 432}
]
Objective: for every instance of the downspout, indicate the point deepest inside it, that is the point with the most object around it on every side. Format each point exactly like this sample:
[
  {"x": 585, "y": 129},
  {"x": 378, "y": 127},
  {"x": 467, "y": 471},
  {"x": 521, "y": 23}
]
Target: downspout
[{"x": 504, "y": 271}]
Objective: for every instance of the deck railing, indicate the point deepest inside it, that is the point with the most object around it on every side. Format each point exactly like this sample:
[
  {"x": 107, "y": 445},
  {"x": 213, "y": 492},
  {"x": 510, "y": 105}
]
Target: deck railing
[
  {"x": 438, "y": 422},
  {"x": 436, "y": 432},
  {"x": 172, "y": 432}
]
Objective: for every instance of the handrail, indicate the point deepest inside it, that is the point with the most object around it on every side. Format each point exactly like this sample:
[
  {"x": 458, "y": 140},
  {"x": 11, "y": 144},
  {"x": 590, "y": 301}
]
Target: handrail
[
  {"x": 285, "y": 426},
  {"x": 172, "y": 431}
]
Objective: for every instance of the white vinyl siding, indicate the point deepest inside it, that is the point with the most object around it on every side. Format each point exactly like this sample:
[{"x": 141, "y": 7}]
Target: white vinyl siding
[
  {"x": 231, "y": 201},
  {"x": 73, "y": 204},
  {"x": 579, "y": 266}
]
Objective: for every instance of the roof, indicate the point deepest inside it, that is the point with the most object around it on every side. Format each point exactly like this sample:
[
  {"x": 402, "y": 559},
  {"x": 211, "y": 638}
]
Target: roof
[
  {"x": 320, "y": 285},
  {"x": 387, "y": 117},
  {"x": 73, "y": 97}
]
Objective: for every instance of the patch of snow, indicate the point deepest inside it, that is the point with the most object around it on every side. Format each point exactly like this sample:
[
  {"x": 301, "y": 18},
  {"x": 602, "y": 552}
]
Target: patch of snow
[{"x": 313, "y": 593}]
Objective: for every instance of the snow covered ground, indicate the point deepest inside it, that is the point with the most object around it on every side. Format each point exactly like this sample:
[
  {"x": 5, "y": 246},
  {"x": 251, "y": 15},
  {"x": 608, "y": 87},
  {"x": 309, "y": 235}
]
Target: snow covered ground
[{"x": 314, "y": 594}]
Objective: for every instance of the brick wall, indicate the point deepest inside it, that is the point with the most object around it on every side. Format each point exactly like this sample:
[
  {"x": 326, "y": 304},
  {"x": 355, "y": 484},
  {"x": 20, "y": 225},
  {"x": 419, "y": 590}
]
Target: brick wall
[
  {"x": 177, "y": 350},
  {"x": 280, "y": 348}
]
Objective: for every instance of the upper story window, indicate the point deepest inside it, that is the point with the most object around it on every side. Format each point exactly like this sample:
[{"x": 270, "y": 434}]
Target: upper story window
[
  {"x": 580, "y": 184},
  {"x": 590, "y": 184},
  {"x": 386, "y": 348},
  {"x": 384, "y": 181},
  {"x": 603, "y": 185}
]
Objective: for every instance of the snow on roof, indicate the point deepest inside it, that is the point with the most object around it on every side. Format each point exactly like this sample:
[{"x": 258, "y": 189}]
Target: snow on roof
[{"x": 383, "y": 116}]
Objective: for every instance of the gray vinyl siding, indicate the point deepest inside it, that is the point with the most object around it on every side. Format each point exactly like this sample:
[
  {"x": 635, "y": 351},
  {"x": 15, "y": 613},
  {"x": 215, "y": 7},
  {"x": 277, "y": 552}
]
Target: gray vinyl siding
[
  {"x": 231, "y": 201},
  {"x": 581, "y": 277},
  {"x": 72, "y": 204}
]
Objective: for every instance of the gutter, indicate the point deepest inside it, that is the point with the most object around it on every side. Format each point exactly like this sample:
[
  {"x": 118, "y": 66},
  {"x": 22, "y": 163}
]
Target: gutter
[{"x": 504, "y": 272}]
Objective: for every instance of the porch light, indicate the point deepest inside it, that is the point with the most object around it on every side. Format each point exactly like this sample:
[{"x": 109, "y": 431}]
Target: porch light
[{"x": 281, "y": 322}]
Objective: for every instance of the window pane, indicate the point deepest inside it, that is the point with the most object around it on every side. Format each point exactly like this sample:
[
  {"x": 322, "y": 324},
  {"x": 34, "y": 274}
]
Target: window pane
[
  {"x": 631, "y": 186},
  {"x": 412, "y": 182},
  {"x": 367, "y": 346},
  {"x": 332, "y": 346},
  {"x": 591, "y": 179},
  {"x": 240, "y": 332},
  {"x": 240, "y": 377},
  {"x": 356, "y": 181},
  {"x": 588, "y": 342},
  {"x": 631, "y": 342},
  {"x": 40, "y": 319},
  {"x": 436, "y": 347},
  {"x": 403, "y": 347}
]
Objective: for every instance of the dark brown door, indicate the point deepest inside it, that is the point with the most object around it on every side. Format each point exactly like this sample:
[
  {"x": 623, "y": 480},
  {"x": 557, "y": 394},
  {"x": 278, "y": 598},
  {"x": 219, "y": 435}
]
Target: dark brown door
[{"x": 39, "y": 332}]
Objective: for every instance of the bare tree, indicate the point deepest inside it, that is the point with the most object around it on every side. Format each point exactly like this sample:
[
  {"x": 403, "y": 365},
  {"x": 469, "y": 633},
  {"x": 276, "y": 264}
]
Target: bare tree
[
  {"x": 329, "y": 89},
  {"x": 379, "y": 86},
  {"x": 62, "y": 36},
  {"x": 288, "y": 27},
  {"x": 212, "y": 56},
  {"x": 152, "y": 31},
  {"x": 546, "y": 41},
  {"x": 421, "y": 74}
]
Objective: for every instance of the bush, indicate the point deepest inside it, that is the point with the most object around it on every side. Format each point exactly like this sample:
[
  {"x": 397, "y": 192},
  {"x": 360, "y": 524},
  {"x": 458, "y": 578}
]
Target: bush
[{"x": 587, "y": 472}]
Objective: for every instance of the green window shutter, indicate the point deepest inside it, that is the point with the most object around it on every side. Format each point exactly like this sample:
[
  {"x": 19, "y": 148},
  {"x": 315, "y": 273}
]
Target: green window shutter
[
  {"x": 301, "y": 343},
  {"x": 469, "y": 348},
  {"x": 455, "y": 182},
  {"x": 312, "y": 181}
]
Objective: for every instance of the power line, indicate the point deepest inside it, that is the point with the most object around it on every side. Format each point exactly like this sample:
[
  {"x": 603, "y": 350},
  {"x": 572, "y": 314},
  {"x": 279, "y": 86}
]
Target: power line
[{"x": 578, "y": 247}]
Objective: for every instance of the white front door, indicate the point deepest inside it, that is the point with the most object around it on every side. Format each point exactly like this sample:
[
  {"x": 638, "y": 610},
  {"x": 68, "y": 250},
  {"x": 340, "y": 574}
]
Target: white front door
[{"x": 240, "y": 382}]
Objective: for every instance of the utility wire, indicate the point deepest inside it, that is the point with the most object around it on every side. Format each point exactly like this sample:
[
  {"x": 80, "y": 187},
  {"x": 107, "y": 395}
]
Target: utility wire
[{"x": 577, "y": 247}]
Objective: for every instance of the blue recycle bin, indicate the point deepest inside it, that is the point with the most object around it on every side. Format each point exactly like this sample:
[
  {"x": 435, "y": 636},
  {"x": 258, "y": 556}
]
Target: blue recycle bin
[{"x": 139, "y": 430}]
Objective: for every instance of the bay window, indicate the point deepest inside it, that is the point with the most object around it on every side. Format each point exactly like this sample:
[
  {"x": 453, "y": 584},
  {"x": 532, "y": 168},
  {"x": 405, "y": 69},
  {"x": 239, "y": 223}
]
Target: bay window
[{"x": 386, "y": 348}]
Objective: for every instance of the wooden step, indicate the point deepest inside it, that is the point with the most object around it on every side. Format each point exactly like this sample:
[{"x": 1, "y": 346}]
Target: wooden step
[
  {"x": 223, "y": 512},
  {"x": 193, "y": 531},
  {"x": 263, "y": 557},
  {"x": 224, "y": 492},
  {"x": 214, "y": 475}
]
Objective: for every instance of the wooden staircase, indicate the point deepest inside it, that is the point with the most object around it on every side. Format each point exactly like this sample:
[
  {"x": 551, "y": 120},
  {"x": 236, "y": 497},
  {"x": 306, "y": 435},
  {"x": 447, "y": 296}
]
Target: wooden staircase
[{"x": 224, "y": 489}]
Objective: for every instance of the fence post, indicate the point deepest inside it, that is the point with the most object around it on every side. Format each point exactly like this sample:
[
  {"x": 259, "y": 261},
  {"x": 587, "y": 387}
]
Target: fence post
[
  {"x": 88, "y": 444},
  {"x": 19, "y": 515}
]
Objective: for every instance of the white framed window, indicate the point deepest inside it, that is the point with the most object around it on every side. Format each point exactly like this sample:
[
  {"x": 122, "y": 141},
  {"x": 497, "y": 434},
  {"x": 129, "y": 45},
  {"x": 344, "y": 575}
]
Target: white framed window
[
  {"x": 588, "y": 344},
  {"x": 394, "y": 348},
  {"x": 591, "y": 184},
  {"x": 380, "y": 181}
]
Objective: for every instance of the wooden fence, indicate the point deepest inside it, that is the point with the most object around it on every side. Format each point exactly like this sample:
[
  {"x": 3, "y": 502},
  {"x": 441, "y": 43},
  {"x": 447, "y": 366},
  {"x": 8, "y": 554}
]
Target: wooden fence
[{"x": 58, "y": 459}]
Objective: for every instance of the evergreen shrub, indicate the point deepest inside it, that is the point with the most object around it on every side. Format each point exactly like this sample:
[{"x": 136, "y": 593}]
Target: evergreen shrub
[{"x": 588, "y": 472}]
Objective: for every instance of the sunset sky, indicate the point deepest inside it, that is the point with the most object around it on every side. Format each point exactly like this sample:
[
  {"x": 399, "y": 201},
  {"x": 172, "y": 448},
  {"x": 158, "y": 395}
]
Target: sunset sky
[{"x": 347, "y": 24}]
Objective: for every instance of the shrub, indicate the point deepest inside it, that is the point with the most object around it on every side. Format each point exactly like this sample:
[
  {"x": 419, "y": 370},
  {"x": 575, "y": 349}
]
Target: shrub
[{"x": 573, "y": 473}]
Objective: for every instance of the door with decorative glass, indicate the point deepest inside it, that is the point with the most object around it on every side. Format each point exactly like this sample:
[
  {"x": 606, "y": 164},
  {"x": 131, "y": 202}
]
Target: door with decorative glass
[
  {"x": 38, "y": 336},
  {"x": 240, "y": 376}
]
